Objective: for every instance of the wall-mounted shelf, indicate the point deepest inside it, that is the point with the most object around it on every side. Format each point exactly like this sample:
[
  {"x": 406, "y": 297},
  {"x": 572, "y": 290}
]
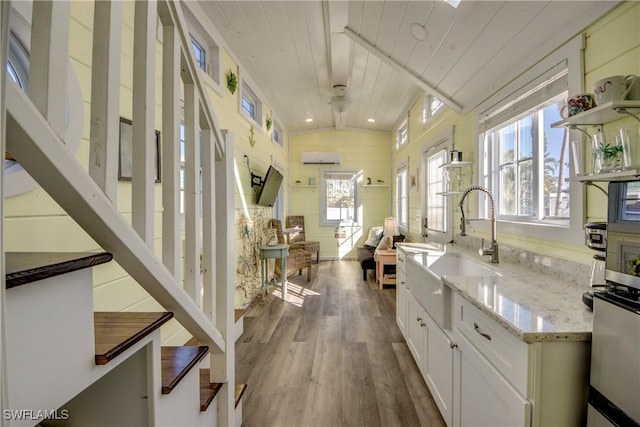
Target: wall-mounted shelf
[
  {"x": 455, "y": 164},
  {"x": 606, "y": 113},
  {"x": 605, "y": 177},
  {"x": 450, "y": 193},
  {"x": 375, "y": 185}
]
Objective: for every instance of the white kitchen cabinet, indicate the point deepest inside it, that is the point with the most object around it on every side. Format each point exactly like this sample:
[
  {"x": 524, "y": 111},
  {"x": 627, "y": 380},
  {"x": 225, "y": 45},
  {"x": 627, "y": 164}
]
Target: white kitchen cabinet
[
  {"x": 438, "y": 367},
  {"x": 485, "y": 397},
  {"x": 416, "y": 331},
  {"x": 480, "y": 373},
  {"x": 402, "y": 300}
]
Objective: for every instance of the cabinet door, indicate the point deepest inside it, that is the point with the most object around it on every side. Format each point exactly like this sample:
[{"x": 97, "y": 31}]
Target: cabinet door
[
  {"x": 438, "y": 371},
  {"x": 415, "y": 326},
  {"x": 402, "y": 302},
  {"x": 485, "y": 397}
]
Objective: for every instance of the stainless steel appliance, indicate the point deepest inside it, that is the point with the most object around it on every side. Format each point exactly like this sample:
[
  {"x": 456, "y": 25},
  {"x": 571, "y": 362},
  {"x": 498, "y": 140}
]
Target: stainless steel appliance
[
  {"x": 596, "y": 239},
  {"x": 614, "y": 393}
]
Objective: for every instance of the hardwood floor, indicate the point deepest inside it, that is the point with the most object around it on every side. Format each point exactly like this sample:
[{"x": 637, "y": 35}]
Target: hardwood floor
[{"x": 331, "y": 355}]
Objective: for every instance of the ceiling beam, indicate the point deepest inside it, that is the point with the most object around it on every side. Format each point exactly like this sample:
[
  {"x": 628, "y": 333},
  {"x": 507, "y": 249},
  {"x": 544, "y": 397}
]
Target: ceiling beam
[{"x": 402, "y": 70}]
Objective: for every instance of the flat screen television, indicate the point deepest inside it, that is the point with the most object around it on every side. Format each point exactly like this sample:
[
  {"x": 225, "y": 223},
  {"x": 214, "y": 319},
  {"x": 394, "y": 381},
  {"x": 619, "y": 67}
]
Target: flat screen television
[{"x": 270, "y": 187}]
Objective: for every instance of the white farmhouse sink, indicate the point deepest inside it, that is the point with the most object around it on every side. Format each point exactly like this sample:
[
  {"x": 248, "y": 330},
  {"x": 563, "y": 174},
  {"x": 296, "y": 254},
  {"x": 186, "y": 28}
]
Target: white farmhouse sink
[
  {"x": 454, "y": 264},
  {"x": 424, "y": 276}
]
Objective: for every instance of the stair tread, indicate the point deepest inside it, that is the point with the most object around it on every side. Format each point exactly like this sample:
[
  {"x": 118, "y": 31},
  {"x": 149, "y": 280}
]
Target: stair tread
[
  {"x": 239, "y": 391},
  {"x": 26, "y": 267},
  {"x": 239, "y": 312},
  {"x": 115, "y": 332},
  {"x": 177, "y": 362},
  {"x": 208, "y": 390}
]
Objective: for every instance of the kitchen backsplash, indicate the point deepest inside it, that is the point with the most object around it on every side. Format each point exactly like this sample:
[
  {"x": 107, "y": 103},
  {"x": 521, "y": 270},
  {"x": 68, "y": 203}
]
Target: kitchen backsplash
[{"x": 562, "y": 269}]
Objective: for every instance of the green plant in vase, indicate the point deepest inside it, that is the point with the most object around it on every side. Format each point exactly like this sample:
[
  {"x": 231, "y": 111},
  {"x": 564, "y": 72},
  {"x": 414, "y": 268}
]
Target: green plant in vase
[{"x": 611, "y": 156}]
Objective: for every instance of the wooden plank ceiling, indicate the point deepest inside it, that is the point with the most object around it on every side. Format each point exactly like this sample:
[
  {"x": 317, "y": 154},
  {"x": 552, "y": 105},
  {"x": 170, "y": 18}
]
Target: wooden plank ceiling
[{"x": 297, "y": 51}]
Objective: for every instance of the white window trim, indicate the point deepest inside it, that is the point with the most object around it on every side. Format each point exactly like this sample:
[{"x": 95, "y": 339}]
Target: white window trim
[
  {"x": 276, "y": 127},
  {"x": 201, "y": 29},
  {"x": 403, "y": 125},
  {"x": 402, "y": 167},
  {"x": 246, "y": 87},
  {"x": 443, "y": 141},
  {"x": 571, "y": 53},
  {"x": 427, "y": 116},
  {"x": 324, "y": 222}
]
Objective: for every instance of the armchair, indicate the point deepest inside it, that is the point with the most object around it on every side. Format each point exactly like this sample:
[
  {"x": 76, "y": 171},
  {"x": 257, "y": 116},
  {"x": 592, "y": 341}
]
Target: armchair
[{"x": 298, "y": 259}]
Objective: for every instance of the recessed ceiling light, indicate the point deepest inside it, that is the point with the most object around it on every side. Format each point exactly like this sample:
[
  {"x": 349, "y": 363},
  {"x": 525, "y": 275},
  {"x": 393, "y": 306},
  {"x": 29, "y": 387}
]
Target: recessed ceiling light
[
  {"x": 308, "y": 120},
  {"x": 418, "y": 31},
  {"x": 371, "y": 120}
]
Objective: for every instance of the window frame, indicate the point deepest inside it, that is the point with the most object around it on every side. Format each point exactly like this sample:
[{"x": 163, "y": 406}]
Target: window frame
[
  {"x": 402, "y": 196},
  {"x": 200, "y": 53},
  {"x": 402, "y": 134},
  {"x": 205, "y": 38},
  {"x": 427, "y": 108},
  {"x": 246, "y": 92},
  {"x": 569, "y": 57},
  {"x": 325, "y": 175},
  {"x": 277, "y": 135}
]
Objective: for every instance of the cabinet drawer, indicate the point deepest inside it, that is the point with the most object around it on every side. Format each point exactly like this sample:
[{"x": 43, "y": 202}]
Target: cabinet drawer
[
  {"x": 507, "y": 353},
  {"x": 401, "y": 260}
]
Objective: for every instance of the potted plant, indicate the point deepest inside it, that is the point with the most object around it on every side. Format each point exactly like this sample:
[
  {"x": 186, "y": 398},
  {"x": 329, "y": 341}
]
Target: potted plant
[
  {"x": 232, "y": 81},
  {"x": 268, "y": 122}
]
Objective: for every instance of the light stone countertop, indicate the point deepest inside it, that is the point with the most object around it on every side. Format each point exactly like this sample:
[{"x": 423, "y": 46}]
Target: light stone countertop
[{"x": 532, "y": 306}]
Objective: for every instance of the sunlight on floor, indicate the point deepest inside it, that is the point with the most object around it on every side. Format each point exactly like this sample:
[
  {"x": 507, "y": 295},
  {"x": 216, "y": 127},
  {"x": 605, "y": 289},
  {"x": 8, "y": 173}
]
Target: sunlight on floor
[{"x": 295, "y": 294}]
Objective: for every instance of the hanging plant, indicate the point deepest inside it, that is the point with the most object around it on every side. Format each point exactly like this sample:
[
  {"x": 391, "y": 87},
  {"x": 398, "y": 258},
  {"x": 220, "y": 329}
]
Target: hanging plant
[
  {"x": 268, "y": 122},
  {"x": 252, "y": 139},
  {"x": 232, "y": 81}
]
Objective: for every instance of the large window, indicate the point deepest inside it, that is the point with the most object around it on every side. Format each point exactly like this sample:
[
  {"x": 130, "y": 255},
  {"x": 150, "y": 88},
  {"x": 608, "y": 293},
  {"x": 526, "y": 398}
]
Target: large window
[
  {"x": 436, "y": 206},
  {"x": 402, "y": 196},
  {"x": 339, "y": 197},
  {"x": 526, "y": 161}
]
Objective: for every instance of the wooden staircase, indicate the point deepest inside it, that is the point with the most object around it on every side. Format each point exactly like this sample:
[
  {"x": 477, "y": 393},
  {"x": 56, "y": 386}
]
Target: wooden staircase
[
  {"x": 118, "y": 336},
  {"x": 108, "y": 368}
]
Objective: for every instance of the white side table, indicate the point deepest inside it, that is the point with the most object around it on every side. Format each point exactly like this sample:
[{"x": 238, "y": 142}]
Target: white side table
[{"x": 276, "y": 251}]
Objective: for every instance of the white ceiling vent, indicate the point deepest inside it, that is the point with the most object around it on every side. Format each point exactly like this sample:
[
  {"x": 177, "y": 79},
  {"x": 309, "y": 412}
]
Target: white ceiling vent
[{"x": 321, "y": 158}]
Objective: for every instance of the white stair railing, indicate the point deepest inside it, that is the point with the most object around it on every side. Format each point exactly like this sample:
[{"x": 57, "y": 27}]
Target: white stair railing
[{"x": 35, "y": 137}]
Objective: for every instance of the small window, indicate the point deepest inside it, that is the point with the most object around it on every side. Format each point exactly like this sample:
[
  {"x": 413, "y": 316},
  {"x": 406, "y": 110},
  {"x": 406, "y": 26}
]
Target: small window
[
  {"x": 250, "y": 104},
  {"x": 200, "y": 54},
  {"x": 339, "y": 197},
  {"x": 402, "y": 196},
  {"x": 402, "y": 135},
  {"x": 430, "y": 106},
  {"x": 205, "y": 49},
  {"x": 277, "y": 136}
]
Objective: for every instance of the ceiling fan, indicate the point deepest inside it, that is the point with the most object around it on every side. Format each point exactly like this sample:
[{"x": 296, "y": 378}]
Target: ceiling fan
[{"x": 340, "y": 100}]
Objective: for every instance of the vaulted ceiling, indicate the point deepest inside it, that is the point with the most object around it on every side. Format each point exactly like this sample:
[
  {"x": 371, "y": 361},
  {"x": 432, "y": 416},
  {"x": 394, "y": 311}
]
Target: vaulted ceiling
[{"x": 302, "y": 54}]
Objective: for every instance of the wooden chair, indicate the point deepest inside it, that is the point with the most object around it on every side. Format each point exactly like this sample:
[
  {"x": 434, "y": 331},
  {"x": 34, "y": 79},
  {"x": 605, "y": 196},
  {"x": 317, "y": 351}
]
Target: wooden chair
[
  {"x": 298, "y": 240},
  {"x": 298, "y": 258}
]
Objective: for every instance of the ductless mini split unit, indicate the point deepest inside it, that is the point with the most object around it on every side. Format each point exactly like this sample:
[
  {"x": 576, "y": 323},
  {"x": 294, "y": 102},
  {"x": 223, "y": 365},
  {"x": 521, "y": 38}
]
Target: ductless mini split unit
[{"x": 320, "y": 158}]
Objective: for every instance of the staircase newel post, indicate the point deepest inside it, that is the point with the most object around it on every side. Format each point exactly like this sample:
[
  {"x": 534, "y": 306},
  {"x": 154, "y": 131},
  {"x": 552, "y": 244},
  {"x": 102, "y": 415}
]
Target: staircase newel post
[{"x": 223, "y": 364}]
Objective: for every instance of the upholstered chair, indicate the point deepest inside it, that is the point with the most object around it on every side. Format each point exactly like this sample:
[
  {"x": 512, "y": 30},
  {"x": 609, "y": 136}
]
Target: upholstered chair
[
  {"x": 298, "y": 239},
  {"x": 298, "y": 258}
]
